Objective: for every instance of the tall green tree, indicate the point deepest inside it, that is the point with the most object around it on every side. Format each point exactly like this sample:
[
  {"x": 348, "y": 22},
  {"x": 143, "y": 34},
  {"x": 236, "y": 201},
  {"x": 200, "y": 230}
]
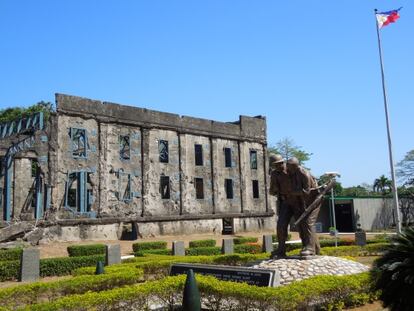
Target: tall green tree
[
  {"x": 382, "y": 185},
  {"x": 13, "y": 113},
  {"x": 288, "y": 149},
  {"x": 405, "y": 168}
]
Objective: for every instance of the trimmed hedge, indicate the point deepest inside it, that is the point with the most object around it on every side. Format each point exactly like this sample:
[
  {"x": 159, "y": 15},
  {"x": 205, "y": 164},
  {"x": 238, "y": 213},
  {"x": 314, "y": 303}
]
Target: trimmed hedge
[
  {"x": 248, "y": 248},
  {"x": 321, "y": 292},
  {"x": 274, "y": 237},
  {"x": 32, "y": 293},
  {"x": 9, "y": 270},
  {"x": 143, "y": 246},
  {"x": 153, "y": 252},
  {"x": 202, "y": 243},
  {"x": 10, "y": 254},
  {"x": 203, "y": 251},
  {"x": 86, "y": 250},
  {"x": 245, "y": 239},
  {"x": 351, "y": 250}
]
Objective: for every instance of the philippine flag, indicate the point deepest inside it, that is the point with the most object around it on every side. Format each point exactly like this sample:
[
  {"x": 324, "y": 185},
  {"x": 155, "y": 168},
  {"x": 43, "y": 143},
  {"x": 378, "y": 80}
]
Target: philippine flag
[{"x": 386, "y": 18}]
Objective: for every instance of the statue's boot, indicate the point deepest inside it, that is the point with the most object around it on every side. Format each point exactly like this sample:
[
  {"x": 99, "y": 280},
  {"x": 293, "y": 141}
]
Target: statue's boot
[{"x": 307, "y": 251}]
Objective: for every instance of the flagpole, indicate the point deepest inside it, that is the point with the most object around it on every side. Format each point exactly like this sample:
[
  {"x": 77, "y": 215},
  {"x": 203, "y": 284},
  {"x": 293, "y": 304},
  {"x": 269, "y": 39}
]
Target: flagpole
[{"x": 394, "y": 184}]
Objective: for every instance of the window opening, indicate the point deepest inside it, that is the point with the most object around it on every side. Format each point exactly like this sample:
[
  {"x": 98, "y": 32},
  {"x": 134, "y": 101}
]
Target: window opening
[
  {"x": 163, "y": 151},
  {"x": 78, "y": 141},
  {"x": 124, "y": 147},
  {"x": 253, "y": 159},
  {"x": 228, "y": 184},
  {"x": 125, "y": 189},
  {"x": 79, "y": 192},
  {"x": 227, "y": 226},
  {"x": 255, "y": 184},
  {"x": 227, "y": 157},
  {"x": 165, "y": 187},
  {"x": 199, "y": 187},
  {"x": 198, "y": 151}
]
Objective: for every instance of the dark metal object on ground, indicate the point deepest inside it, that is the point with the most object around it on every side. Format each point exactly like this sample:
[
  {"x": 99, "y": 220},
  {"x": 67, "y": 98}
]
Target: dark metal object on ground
[{"x": 191, "y": 296}]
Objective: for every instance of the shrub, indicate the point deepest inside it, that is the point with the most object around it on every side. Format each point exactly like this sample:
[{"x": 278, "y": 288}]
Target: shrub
[
  {"x": 142, "y": 246},
  {"x": 10, "y": 254},
  {"x": 202, "y": 243},
  {"x": 248, "y": 248},
  {"x": 65, "y": 265},
  {"x": 86, "y": 250},
  {"x": 32, "y": 293},
  {"x": 9, "y": 270},
  {"x": 203, "y": 251},
  {"x": 245, "y": 239},
  {"x": 321, "y": 292},
  {"x": 394, "y": 272},
  {"x": 154, "y": 252}
]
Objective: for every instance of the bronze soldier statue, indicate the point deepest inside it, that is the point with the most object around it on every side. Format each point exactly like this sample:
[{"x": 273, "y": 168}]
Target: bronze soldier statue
[
  {"x": 304, "y": 190},
  {"x": 280, "y": 186}
]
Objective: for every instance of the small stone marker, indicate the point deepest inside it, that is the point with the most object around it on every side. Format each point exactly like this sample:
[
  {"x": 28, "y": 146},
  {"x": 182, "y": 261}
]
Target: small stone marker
[
  {"x": 99, "y": 268},
  {"x": 178, "y": 248},
  {"x": 267, "y": 246},
  {"x": 251, "y": 276},
  {"x": 360, "y": 238},
  {"x": 227, "y": 247},
  {"x": 113, "y": 254},
  {"x": 29, "y": 265}
]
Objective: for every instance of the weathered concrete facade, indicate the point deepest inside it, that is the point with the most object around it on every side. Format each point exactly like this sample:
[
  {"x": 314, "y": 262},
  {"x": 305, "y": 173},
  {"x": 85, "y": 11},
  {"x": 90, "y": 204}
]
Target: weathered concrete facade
[{"x": 109, "y": 164}]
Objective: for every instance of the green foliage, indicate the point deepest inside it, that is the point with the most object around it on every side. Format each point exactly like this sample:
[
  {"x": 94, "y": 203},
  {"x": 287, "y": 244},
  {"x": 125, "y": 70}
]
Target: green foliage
[
  {"x": 287, "y": 148},
  {"x": 10, "y": 254},
  {"x": 153, "y": 252},
  {"x": 245, "y": 239},
  {"x": 9, "y": 270},
  {"x": 248, "y": 248},
  {"x": 321, "y": 292},
  {"x": 203, "y": 251},
  {"x": 86, "y": 250},
  {"x": 405, "y": 168},
  {"x": 32, "y": 293},
  {"x": 202, "y": 243},
  {"x": 382, "y": 185},
  {"x": 143, "y": 246},
  {"x": 394, "y": 272},
  {"x": 10, "y": 114},
  {"x": 65, "y": 265},
  {"x": 354, "y": 250}
]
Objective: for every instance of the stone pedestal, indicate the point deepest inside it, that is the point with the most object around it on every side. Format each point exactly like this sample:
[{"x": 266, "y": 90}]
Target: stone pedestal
[
  {"x": 29, "y": 265},
  {"x": 267, "y": 246},
  {"x": 178, "y": 248},
  {"x": 113, "y": 254},
  {"x": 227, "y": 247},
  {"x": 360, "y": 238}
]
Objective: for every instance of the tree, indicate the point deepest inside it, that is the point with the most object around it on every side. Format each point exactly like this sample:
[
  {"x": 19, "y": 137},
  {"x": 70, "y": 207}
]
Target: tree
[
  {"x": 355, "y": 191},
  {"x": 287, "y": 148},
  {"x": 10, "y": 114},
  {"x": 394, "y": 273},
  {"x": 405, "y": 168},
  {"x": 324, "y": 179},
  {"x": 382, "y": 185}
]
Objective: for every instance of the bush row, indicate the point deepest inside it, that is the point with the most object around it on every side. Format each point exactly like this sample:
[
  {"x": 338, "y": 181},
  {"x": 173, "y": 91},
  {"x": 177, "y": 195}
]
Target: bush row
[
  {"x": 245, "y": 239},
  {"x": 326, "y": 292},
  {"x": 143, "y": 246},
  {"x": 10, "y": 254},
  {"x": 9, "y": 270},
  {"x": 37, "y": 292},
  {"x": 86, "y": 250},
  {"x": 202, "y": 243},
  {"x": 351, "y": 250}
]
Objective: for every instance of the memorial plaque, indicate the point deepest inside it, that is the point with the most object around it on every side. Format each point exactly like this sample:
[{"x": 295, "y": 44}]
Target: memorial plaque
[
  {"x": 258, "y": 277},
  {"x": 227, "y": 247},
  {"x": 178, "y": 248},
  {"x": 29, "y": 265},
  {"x": 113, "y": 254},
  {"x": 267, "y": 246},
  {"x": 360, "y": 238}
]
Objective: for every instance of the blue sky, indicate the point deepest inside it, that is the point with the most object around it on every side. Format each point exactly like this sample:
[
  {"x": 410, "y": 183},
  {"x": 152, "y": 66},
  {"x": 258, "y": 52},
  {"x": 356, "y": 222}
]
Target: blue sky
[{"x": 311, "y": 67}]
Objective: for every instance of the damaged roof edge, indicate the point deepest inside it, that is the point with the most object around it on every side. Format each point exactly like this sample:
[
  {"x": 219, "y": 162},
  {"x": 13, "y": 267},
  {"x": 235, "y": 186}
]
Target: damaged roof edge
[{"x": 248, "y": 127}]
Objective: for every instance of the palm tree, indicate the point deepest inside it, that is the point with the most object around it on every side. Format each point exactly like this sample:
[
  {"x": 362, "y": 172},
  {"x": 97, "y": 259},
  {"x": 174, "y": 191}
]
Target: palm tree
[
  {"x": 382, "y": 185},
  {"x": 394, "y": 273}
]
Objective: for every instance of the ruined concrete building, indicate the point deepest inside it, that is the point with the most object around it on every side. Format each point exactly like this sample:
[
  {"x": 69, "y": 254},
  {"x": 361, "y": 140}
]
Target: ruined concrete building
[{"x": 94, "y": 166}]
